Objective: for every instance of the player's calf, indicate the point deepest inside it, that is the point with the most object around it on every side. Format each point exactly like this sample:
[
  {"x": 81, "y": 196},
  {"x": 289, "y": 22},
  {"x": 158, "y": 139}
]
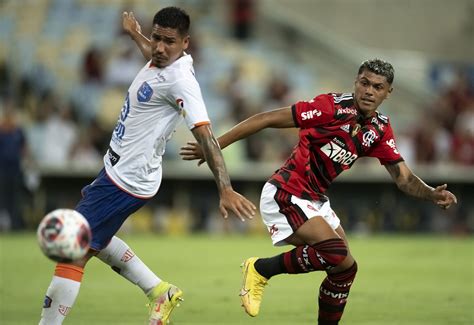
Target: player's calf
[{"x": 333, "y": 294}]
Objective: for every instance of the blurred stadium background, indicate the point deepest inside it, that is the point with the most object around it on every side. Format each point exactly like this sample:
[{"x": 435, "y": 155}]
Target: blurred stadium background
[{"x": 65, "y": 66}]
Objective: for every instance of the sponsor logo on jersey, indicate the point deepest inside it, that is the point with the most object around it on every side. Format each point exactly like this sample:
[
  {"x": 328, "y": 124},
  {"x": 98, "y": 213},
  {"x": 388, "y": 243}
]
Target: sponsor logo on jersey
[
  {"x": 144, "y": 93},
  {"x": 161, "y": 78},
  {"x": 391, "y": 144},
  {"x": 346, "y": 128},
  {"x": 346, "y": 110},
  {"x": 338, "y": 154},
  {"x": 375, "y": 120},
  {"x": 113, "y": 156},
  {"x": 310, "y": 114},
  {"x": 339, "y": 142},
  {"x": 368, "y": 138}
]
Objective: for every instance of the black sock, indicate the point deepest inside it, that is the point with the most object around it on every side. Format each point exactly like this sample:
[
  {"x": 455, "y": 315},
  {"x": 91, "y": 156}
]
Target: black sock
[{"x": 268, "y": 267}]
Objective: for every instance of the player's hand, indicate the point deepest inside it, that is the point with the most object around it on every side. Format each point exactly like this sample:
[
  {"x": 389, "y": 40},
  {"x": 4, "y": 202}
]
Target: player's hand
[
  {"x": 444, "y": 198},
  {"x": 238, "y": 204},
  {"x": 192, "y": 151},
  {"x": 130, "y": 23}
]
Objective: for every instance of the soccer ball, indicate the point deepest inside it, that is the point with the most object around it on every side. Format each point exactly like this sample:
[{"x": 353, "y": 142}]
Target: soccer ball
[{"x": 64, "y": 235}]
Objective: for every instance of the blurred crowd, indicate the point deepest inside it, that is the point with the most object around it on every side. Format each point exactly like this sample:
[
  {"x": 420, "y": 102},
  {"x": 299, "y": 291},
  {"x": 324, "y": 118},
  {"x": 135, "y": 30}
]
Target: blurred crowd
[
  {"x": 446, "y": 128},
  {"x": 64, "y": 131}
]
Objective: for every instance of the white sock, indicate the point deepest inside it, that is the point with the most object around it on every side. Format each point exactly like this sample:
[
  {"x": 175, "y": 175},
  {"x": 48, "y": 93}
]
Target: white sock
[
  {"x": 124, "y": 261},
  {"x": 60, "y": 297}
]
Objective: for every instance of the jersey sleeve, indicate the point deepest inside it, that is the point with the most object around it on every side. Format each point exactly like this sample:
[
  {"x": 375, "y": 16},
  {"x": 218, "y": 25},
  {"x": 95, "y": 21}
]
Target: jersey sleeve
[
  {"x": 386, "y": 151},
  {"x": 186, "y": 95},
  {"x": 318, "y": 111}
]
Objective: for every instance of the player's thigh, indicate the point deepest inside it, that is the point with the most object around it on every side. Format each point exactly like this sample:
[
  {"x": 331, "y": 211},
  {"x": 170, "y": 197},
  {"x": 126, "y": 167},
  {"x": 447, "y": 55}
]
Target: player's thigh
[{"x": 313, "y": 231}]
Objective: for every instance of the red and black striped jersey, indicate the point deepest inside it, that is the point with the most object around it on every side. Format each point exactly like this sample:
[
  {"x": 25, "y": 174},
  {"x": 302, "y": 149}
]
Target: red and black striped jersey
[{"x": 333, "y": 135}]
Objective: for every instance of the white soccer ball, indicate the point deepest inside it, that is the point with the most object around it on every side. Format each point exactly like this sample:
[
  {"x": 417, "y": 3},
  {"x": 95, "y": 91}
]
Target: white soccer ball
[{"x": 64, "y": 235}]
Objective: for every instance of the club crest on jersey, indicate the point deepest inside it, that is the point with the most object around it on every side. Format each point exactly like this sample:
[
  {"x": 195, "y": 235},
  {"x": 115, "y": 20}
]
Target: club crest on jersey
[
  {"x": 144, "y": 93},
  {"x": 368, "y": 138}
]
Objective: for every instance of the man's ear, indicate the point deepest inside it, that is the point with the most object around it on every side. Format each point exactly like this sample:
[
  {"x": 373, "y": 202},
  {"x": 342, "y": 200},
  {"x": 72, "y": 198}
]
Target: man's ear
[
  {"x": 186, "y": 42},
  {"x": 389, "y": 92}
]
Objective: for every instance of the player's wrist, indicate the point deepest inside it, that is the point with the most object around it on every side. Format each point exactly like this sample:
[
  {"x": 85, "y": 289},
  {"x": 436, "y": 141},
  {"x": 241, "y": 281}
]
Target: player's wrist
[{"x": 225, "y": 190}]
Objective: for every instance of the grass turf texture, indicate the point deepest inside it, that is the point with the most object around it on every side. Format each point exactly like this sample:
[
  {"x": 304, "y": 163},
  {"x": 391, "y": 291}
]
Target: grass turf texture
[{"x": 401, "y": 280}]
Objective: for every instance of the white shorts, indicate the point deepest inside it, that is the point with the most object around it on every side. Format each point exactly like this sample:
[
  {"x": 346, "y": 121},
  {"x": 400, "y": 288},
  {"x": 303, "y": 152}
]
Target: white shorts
[{"x": 284, "y": 213}]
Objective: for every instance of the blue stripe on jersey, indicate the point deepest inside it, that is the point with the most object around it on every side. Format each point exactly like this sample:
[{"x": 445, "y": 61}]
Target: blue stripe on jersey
[{"x": 106, "y": 207}]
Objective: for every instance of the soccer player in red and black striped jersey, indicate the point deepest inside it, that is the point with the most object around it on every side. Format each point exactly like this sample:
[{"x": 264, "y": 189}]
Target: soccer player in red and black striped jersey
[{"x": 335, "y": 130}]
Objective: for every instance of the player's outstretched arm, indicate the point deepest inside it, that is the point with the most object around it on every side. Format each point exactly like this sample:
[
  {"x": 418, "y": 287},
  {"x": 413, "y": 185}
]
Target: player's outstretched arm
[
  {"x": 414, "y": 186},
  {"x": 278, "y": 118},
  {"x": 132, "y": 27},
  {"x": 229, "y": 199}
]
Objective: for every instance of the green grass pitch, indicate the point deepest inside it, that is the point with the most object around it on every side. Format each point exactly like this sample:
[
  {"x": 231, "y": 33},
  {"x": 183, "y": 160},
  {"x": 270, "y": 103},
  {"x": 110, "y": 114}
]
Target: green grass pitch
[{"x": 402, "y": 280}]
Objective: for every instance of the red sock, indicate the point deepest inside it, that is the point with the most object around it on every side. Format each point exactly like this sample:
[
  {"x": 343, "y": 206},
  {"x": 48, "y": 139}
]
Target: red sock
[{"x": 333, "y": 295}]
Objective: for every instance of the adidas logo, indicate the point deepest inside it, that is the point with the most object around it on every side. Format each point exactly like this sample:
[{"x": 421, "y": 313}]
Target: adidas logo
[{"x": 346, "y": 128}]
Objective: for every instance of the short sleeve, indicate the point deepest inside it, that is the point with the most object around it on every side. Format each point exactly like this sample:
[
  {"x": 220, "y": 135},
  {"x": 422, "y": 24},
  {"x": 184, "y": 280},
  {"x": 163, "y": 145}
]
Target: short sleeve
[
  {"x": 318, "y": 111},
  {"x": 386, "y": 151},
  {"x": 186, "y": 96}
]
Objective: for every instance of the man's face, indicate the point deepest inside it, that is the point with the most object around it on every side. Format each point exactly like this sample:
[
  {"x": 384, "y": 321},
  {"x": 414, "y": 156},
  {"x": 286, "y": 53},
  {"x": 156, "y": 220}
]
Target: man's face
[
  {"x": 167, "y": 45},
  {"x": 370, "y": 90}
]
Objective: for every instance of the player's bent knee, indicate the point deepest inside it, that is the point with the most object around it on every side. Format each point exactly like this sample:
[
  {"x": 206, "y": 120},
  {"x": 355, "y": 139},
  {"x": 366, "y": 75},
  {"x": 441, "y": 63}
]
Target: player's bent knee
[{"x": 331, "y": 252}]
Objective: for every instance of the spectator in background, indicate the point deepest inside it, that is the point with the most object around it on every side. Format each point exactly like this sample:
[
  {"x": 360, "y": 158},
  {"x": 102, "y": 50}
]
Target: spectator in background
[
  {"x": 463, "y": 137},
  {"x": 60, "y": 134},
  {"x": 123, "y": 68},
  {"x": 278, "y": 91},
  {"x": 13, "y": 148},
  {"x": 93, "y": 66},
  {"x": 432, "y": 141},
  {"x": 84, "y": 154},
  {"x": 243, "y": 17}
]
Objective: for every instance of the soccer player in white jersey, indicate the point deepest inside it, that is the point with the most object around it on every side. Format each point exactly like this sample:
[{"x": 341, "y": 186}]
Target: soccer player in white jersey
[{"x": 164, "y": 93}]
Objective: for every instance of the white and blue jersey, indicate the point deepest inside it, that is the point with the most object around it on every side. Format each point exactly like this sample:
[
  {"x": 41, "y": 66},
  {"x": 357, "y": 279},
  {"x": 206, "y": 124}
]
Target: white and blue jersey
[{"x": 156, "y": 102}]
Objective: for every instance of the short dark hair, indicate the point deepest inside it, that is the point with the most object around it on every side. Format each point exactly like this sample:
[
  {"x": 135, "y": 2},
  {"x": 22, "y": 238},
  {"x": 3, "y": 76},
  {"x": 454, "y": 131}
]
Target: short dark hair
[
  {"x": 173, "y": 17},
  {"x": 379, "y": 67}
]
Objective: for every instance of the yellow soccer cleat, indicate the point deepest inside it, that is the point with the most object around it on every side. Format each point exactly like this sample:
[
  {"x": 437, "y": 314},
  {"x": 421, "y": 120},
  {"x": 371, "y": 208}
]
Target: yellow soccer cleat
[
  {"x": 163, "y": 298},
  {"x": 252, "y": 287}
]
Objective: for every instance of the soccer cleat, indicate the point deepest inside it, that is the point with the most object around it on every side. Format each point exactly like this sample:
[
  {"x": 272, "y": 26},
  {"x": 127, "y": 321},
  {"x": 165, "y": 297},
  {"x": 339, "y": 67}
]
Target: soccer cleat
[
  {"x": 163, "y": 298},
  {"x": 252, "y": 287}
]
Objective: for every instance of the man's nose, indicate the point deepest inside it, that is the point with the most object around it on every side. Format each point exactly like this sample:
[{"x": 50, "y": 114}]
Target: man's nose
[{"x": 160, "y": 47}]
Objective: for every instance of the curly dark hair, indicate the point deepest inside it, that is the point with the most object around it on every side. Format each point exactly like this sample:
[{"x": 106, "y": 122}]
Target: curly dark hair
[
  {"x": 379, "y": 67},
  {"x": 173, "y": 17}
]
